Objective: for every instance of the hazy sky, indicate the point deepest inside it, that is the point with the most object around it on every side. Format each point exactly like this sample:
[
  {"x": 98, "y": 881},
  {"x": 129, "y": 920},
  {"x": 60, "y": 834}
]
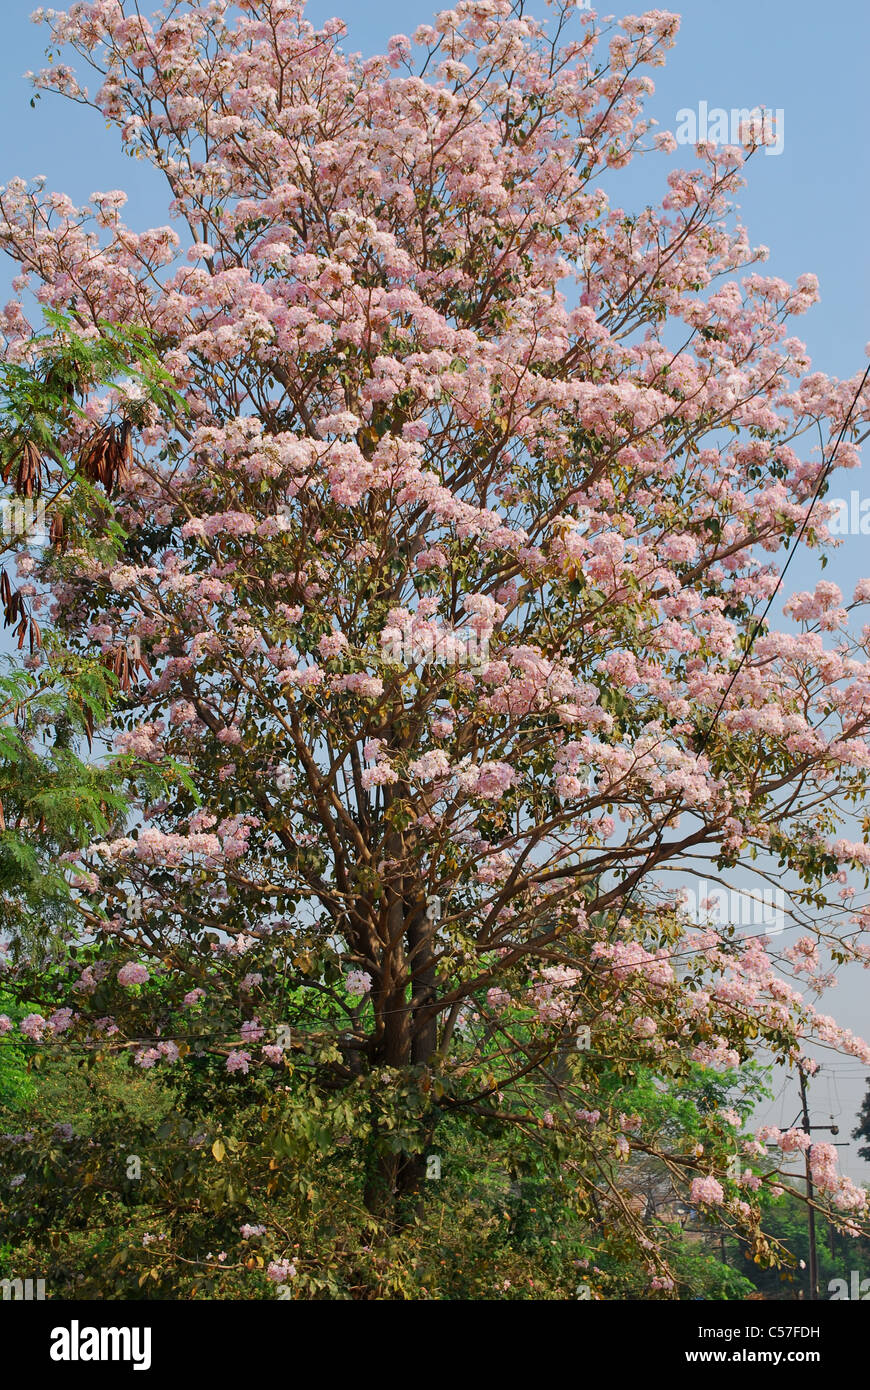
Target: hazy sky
[{"x": 809, "y": 204}]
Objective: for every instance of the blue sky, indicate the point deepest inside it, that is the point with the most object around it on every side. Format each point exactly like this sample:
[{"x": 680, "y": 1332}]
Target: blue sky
[{"x": 809, "y": 204}]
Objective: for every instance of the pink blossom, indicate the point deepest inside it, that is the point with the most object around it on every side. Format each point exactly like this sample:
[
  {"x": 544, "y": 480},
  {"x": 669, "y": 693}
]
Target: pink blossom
[
  {"x": 132, "y": 973},
  {"x": 707, "y": 1191}
]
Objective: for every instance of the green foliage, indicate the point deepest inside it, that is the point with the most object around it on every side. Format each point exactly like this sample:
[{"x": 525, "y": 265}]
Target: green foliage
[
  {"x": 52, "y": 802},
  {"x": 17, "y": 1088},
  {"x": 510, "y": 1215}
]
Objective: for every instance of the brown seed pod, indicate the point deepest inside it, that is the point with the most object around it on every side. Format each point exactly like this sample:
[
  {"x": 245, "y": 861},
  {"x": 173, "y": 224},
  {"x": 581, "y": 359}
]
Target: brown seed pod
[
  {"x": 28, "y": 475},
  {"x": 126, "y": 665},
  {"x": 13, "y": 604},
  {"x": 15, "y": 611},
  {"x": 125, "y": 446},
  {"x": 93, "y": 457},
  {"x": 106, "y": 458}
]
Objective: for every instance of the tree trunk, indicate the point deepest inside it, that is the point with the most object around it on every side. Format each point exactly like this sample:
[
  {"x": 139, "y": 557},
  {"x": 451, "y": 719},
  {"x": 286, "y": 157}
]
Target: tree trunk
[{"x": 395, "y": 1182}]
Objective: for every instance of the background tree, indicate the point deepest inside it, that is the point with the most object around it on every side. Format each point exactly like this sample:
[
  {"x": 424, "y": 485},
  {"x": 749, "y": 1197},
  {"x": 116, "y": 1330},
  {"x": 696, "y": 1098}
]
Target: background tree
[
  {"x": 862, "y": 1130},
  {"x": 51, "y": 801}
]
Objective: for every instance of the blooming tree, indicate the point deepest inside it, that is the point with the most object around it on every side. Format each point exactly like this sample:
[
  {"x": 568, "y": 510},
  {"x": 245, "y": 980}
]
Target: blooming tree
[{"x": 452, "y": 576}]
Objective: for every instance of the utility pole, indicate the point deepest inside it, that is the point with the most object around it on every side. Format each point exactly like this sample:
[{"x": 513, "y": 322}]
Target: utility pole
[
  {"x": 814, "y": 1264},
  {"x": 807, "y": 1129}
]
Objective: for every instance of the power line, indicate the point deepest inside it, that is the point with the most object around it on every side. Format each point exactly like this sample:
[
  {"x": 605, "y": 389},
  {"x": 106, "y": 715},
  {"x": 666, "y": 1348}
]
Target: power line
[{"x": 706, "y": 734}]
